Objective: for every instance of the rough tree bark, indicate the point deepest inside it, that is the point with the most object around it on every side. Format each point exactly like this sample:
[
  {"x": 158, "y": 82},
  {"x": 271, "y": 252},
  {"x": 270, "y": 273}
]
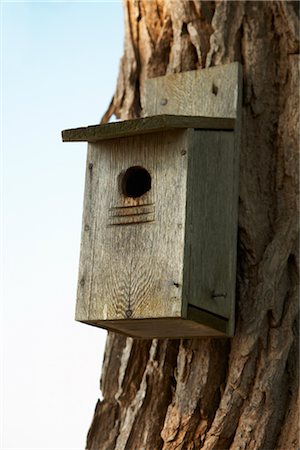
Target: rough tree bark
[{"x": 208, "y": 393}]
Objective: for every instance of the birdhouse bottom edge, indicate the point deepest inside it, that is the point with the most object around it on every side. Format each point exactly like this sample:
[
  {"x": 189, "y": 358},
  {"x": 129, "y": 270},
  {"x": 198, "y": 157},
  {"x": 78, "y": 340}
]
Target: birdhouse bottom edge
[{"x": 160, "y": 328}]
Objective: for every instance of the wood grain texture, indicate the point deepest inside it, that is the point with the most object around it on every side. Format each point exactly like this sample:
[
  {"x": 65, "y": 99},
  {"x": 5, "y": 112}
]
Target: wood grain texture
[
  {"x": 133, "y": 261},
  {"x": 95, "y": 133},
  {"x": 211, "y": 224},
  {"x": 213, "y": 92},
  {"x": 88, "y": 233},
  {"x": 170, "y": 328}
]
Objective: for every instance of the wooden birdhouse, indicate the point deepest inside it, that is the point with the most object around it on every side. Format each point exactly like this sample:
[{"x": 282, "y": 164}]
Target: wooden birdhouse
[{"x": 159, "y": 231}]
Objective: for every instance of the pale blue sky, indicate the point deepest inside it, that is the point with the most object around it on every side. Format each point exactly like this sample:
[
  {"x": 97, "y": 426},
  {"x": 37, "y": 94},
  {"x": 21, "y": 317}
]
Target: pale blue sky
[{"x": 59, "y": 67}]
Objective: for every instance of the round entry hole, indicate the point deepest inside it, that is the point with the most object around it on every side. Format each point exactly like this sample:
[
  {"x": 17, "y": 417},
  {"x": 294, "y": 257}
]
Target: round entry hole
[{"x": 135, "y": 182}]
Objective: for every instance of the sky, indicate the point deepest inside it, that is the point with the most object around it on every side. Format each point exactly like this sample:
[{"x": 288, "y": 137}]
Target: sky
[{"x": 59, "y": 64}]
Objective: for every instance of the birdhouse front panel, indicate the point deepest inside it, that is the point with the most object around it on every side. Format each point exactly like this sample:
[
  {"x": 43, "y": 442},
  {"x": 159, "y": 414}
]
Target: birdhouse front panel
[{"x": 133, "y": 232}]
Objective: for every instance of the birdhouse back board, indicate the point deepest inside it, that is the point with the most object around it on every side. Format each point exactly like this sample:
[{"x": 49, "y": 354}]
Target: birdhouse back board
[{"x": 132, "y": 248}]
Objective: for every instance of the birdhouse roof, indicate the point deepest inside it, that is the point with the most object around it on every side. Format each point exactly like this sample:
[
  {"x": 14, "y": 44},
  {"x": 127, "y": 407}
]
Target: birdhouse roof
[{"x": 95, "y": 133}]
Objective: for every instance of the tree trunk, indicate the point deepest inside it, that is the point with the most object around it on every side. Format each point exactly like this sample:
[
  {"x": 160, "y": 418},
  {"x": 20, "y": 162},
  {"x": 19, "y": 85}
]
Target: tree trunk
[{"x": 219, "y": 393}]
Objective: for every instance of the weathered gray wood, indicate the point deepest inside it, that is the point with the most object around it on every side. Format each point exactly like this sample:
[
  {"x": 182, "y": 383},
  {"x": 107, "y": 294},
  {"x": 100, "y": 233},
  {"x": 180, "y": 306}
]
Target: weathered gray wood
[
  {"x": 88, "y": 234},
  {"x": 179, "y": 246},
  {"x": 212, "y": 92},
  {"x": 211, "y": 224},
  {"x": 145, "y": 125},
  {"x": 163, "y": 264},
  {"x": 134, "y": 270}
]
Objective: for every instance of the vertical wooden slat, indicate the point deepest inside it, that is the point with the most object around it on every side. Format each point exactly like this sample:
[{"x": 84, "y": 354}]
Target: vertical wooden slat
[{"x": 211, "y": 229}]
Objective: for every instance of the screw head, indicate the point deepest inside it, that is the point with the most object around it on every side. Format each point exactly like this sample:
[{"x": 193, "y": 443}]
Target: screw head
[
  {"x": 183, "y": 152},
  {"x": 163, "y": 101},
  {"x": 214, "y": 89},
  {"x": 219, "y": 294}
]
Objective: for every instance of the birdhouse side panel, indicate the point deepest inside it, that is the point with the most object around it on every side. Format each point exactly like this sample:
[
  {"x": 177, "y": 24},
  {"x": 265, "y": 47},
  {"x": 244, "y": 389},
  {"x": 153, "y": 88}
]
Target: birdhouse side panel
[
  {"x": 212, "y": 223},
  {"x": 136, "y": 259}
]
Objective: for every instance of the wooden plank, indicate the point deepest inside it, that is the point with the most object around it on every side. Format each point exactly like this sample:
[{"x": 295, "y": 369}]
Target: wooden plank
[
  {"x": 135, "y": 269},
  {"x": 171, "y": 328},
  {"x": 134, "y": 127},
  {"x": 211, "y": 223},
  {"x": 212, "y": 92}
]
